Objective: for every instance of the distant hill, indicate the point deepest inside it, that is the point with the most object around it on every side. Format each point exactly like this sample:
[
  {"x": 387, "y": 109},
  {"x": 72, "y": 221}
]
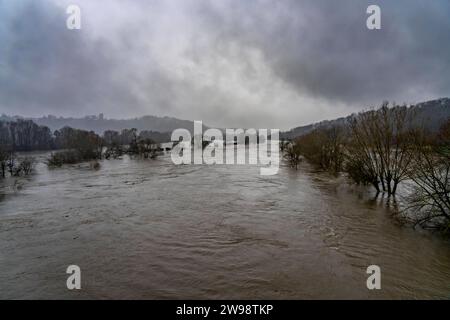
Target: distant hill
[
  {"x": 99, "y": 124},
  {"x": 432, "y": 114}
]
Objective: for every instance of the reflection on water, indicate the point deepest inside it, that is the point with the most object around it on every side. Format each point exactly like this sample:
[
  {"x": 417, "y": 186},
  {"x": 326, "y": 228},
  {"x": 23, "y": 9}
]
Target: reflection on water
[{"x": 150, "y": 229}]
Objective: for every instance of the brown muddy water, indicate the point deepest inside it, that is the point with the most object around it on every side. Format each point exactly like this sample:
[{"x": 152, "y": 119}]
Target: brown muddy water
[{"x": 148, "y": 229}]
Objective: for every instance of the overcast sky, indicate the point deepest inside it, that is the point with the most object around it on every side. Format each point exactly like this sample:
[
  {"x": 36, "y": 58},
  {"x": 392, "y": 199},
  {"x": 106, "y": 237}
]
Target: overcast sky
[{"x": 262, "y": 64}]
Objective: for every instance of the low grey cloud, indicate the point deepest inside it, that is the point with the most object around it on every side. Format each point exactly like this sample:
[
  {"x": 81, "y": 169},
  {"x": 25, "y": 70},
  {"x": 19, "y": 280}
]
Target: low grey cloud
[{"x": 230, "y": 63}]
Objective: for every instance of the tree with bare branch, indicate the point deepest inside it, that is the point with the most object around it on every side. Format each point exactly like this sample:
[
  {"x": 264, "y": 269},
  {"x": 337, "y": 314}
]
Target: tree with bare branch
[
  {"x": 430, "y": 199},
  {"x": 380, "y": 148},
  {"x": 324, "y": 148},
  {"x": 292, "y": 153}
]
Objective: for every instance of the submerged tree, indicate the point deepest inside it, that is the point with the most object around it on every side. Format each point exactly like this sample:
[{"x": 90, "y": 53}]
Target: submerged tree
[
  {"x": 324, "y": 148},
  {"x": 3, "y": 160},
  {"x": 80, "y": 146},
  {"x": 9, "y": 162},
  {"x": 114, "y": 150},
  {"x": 431, "y": 175},
  {"x": 128, "y": 141},
  {"x": 26, "y": 165},
  {"x": 292, "y": 153},
  {"x": 283, "y": 144},
  {"x": 380, "y": 147},
  {"x": 147, "y": 148}
]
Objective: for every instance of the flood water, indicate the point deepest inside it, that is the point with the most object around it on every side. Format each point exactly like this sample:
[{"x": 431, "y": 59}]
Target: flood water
[{"x": 148, "y": 229}]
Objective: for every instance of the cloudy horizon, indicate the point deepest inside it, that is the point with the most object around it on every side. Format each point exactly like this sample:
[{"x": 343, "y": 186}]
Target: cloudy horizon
[{"x": 272, "y": 64}]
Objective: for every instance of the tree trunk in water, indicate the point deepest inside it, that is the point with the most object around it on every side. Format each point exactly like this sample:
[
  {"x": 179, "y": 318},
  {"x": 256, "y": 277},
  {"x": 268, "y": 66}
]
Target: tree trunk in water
[
  {"x": 389, "y": 187},
  {"x": 394, "y": 189},
  {"x": 376, "y": 186}
]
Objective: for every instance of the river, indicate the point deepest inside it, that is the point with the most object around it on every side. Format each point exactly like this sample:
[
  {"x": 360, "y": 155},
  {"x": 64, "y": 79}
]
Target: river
[{"x": 148, "y": 229}]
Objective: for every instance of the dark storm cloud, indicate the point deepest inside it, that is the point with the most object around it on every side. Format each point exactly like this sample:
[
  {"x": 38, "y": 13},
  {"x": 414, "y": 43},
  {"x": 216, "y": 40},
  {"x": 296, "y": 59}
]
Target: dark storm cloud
[
  {"x": 324, "y": 49},
  {"x": 228, "y": 63},
  {"x": 46, "y": 68}
]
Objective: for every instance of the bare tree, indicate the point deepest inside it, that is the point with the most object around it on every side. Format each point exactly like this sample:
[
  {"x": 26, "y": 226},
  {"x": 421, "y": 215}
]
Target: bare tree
[
  {"x": 3, "y": 160},
  {"x": 283, "y": 144},
  {"x": 81, "y": 146},
  {"x": 380, "y": 148},
  {"x": 146, "y": 148},
  {"x": 114, "y": 150},
  {"x": 292, "y": 153},
  {"x": 11, "y": 163},
  {"x": 324, "y": 148},
  {"x": 430, "y": 199},
  {"x": 26, "y": 165}
]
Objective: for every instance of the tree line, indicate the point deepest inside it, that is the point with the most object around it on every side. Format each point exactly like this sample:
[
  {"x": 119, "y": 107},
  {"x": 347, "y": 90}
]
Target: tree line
[
  {"x": 383, "y": 148},
  {"x": 70, "y": 145},
  {"x": 81, "y": 145}
]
